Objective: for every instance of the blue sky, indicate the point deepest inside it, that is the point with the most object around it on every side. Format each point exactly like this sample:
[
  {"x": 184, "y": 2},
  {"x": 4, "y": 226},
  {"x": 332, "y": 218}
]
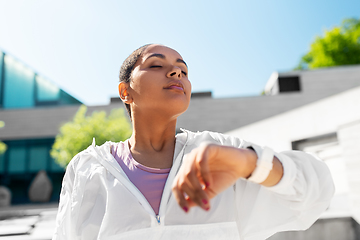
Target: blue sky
[{"x": 231, "y": 47}]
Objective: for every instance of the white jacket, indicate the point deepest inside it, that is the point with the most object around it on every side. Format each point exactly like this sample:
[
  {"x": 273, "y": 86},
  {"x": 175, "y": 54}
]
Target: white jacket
[{"x": 98, "y": 201}]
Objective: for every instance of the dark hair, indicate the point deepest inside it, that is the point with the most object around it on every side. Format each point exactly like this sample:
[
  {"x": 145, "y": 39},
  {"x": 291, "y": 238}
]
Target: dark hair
[{"x": 128, "y": 66}]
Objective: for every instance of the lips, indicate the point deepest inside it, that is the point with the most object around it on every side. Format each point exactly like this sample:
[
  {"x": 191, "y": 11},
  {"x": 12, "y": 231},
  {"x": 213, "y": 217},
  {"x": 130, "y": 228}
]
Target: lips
[{"x": 175, "y": 85}]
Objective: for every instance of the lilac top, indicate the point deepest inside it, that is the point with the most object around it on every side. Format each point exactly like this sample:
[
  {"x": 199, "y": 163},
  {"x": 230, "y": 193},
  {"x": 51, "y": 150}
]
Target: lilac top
[{"x": 150, "y": 181}]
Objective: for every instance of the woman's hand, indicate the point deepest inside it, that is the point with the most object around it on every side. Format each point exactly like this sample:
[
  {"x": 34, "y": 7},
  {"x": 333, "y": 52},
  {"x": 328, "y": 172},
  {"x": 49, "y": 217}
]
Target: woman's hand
[{"x": 208, "y": 170}]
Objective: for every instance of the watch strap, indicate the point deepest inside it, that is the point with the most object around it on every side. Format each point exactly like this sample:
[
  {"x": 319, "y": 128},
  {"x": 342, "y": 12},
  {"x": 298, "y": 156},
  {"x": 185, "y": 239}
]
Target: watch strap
[{"x": 264, "y": 165}]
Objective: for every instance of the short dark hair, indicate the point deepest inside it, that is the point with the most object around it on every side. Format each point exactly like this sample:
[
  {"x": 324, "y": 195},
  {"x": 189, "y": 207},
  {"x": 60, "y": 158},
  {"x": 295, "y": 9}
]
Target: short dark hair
[{"x": 128, "y": 66}]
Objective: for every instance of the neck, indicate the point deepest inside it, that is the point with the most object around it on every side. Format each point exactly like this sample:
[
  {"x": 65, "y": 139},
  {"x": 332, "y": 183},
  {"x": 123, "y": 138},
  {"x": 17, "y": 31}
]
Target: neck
[{"x": 153, "y": 140}]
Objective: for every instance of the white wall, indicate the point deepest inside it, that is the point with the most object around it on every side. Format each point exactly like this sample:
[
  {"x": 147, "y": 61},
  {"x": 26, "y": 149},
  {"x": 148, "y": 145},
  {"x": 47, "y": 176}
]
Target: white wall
[
  {"x": 329, "y": 115},
  {"x": 349, "y": 138},
  {"x": 318, "y": 118}
]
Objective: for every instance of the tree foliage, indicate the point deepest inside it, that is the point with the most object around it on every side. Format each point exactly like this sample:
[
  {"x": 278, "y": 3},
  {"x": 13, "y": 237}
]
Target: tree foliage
[
  {"x": 3, "y": 146},
  {"x": 78, "y": 134},
  {"x": 338, "y": 46}
]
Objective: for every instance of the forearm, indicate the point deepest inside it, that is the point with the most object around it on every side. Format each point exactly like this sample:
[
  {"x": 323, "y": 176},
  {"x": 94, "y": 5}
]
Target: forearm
[
  {"x": 275, "y": 174},
  {"x": 304, "y": 192}
]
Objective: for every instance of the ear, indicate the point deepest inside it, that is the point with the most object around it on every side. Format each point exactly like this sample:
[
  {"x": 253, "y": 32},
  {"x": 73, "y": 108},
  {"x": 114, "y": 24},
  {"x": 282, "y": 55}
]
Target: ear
[{"x": 124, "y": 92}]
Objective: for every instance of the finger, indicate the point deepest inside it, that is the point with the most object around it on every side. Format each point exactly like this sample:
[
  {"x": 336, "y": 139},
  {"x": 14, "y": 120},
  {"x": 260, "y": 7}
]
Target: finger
[
  {"x": 188, "y": 183},
  {"x": 190, "y": 202},
  {"x": 180, "y": 197},
  {"x": 193, "y": 188},
  {"x": 179, "y": 182},
  {"x": 203, "y": 165}
]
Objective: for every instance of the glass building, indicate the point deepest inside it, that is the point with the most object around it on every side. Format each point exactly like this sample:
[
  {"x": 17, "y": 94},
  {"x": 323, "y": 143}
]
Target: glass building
[{"x": 22, "y": 88}]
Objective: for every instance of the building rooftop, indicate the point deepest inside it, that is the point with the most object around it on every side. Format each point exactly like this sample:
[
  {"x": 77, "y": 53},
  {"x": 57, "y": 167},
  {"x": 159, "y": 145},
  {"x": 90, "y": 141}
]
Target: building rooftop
[{"x": 22, "y": 87}]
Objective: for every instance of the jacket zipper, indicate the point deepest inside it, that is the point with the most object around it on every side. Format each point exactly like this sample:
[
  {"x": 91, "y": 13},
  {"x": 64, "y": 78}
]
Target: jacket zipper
[
  {"x": 158, "y": 219},
  {"x": 174, "y": 169},
  {"x": 137, "y": 193}
]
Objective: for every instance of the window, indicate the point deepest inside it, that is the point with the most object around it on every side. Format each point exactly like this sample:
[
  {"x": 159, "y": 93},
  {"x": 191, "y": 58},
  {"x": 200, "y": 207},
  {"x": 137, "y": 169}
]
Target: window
[
  {"x": 18, "y": 84},
  {"x": 16, "y": 159},
  {"x": 2, "y": 163},
  {"x": 289, "y": 84},
  {"x": 56, "y": 167},
  {"x": 28, "y": 156},
  {"x": 38, "y": 156},
  {"x": 67, "y": 99},
  {"x": 22, "y": 161},
  {"x": 45, "y": 90}
]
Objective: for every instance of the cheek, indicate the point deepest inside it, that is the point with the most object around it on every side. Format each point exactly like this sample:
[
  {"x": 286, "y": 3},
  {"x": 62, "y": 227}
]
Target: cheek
[
  {"x": 138, "y": 82},
  {"x": 145, "y": 86},
  {"x": 188, "y": 85}
]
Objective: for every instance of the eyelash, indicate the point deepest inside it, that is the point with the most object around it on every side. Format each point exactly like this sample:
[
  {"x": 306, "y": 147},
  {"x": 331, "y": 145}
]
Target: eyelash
[{"x": 156, "y": 66}]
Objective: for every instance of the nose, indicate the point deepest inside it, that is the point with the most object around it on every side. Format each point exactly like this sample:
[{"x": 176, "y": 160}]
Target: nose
[{"x": 175, "y": 72}]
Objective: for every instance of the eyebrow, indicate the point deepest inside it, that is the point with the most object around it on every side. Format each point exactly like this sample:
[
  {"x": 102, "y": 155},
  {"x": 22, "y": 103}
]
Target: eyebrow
[{"x": 162, "y": 56}]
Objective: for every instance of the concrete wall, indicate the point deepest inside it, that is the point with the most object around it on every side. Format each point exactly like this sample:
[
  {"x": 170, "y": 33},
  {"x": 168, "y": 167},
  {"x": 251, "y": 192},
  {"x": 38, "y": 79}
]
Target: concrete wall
[
  {"x": 349, "y": 138},
  {"x": 328, "y": 81},
  {"x": 41, "y": 122}
]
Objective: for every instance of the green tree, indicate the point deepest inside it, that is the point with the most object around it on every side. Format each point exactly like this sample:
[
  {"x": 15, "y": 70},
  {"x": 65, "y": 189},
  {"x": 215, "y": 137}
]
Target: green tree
[
  {"x": 338, "y": 46},
  {"x": 2, "y": 145},
  {"x": 78, "y": 134}
]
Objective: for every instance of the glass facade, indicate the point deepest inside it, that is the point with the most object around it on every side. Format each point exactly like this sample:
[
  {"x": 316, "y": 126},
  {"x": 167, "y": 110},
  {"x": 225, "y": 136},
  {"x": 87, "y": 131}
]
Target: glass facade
[
  {"x": 18, "y": 84},
  {"x": 21, "y": 87},
  {"x": 2, "y": 163},
  {"x": 38, "y": 155},
  {"x": 16, "y": 159},
  {"x": 22, "y": 161},
  {"x": 46, "y": 91}
]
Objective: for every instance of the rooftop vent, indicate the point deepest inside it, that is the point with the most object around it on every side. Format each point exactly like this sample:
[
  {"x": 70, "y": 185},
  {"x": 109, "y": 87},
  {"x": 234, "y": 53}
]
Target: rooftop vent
[
  {"x": 201, "y": 94},
  {"x": 115, "y": 100},
  {"x": 289, "y": 84},
  {"x": 282, "y": 84}
]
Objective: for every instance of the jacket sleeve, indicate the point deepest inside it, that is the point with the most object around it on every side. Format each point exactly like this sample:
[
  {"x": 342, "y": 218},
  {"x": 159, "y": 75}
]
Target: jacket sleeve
[
  {"x": 81, "y": 209},
  {"x": 295, "y": 203},
  {"x": 64, "y": 220}
]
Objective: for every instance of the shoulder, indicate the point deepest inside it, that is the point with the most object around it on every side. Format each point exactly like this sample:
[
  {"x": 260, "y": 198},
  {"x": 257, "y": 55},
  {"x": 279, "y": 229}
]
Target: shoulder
[
  {"x": 82, "y": 158},
  {"x": 88, "y": 158}
]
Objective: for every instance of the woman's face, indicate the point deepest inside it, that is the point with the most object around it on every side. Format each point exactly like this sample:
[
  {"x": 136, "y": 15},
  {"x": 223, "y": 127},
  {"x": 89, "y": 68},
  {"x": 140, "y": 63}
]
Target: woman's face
[{"x": 159, "y": 82}]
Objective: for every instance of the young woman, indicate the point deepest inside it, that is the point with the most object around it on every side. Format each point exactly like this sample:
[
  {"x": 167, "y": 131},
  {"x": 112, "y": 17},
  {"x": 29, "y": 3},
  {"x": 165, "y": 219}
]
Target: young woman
[{"x": 204, "y": 185}]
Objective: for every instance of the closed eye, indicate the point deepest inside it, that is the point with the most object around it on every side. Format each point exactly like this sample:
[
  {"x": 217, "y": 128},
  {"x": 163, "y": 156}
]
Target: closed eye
[
  {"x": 155, "y": 66},
  {"x": 185, "y": 73}
]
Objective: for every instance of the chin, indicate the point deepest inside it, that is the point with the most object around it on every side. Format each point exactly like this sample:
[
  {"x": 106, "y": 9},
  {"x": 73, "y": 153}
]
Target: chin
[{"x": 174, "y": 110}]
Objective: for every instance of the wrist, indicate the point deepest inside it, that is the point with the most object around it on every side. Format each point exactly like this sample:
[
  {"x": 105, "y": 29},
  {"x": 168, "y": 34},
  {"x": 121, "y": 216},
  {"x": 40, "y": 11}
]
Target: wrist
[{"x": 250, "y": 163}]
